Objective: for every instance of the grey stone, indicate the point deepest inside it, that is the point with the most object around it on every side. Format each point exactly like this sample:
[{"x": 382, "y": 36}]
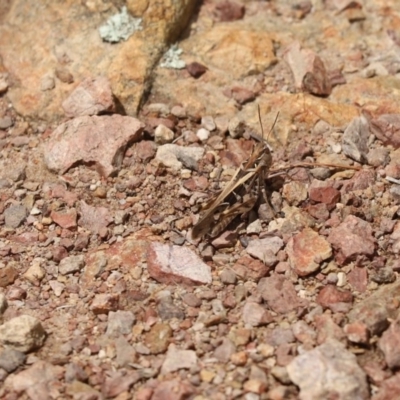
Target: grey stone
[
  {"x": 11, "y": 359},
  {"x": 71, "y": 264},
  {"x": 15, "y": 215}
]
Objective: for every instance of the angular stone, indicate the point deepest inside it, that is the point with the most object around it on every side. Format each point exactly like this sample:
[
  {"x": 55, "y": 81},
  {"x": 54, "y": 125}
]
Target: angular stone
[
  {"x": 307, "y": 250},
  {"x": 389, "y": 343},
  {"x": 66, "y": 219},
  {"x": 120, "y": 323},
  {"x": 355, "y": 139},
  {"x": 71, "y": 264},
  {"x": 375, "y": 310},
  {"x": 23, "y": 333},
  {"x": 280, "y": 294},
  {"x": 104, "y": 303},
  {"x": 93, "y": 96},
  {"x": 335, "y": 299},
  {"x": 157, "y": 339},
  {"x": 265, "y": 249},
  {"x": 329, "y": 370},
  {"x": 11, "y": 359},
  {"x": 8, "y": 274},
  {"x": 177, "y": 359},
  {"x": 98, "y": 140},
  {"x": 94, "y": 218},
  {"x": 176, "y": 264},
  {"x": 15, "y": 215},
  {"x": 352, "y": 238}
]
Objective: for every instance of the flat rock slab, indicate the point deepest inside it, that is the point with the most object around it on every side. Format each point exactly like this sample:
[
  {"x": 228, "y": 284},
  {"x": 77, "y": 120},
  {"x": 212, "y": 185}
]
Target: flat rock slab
[
  {"x": 176, "y": 264},
  {"x": 93, "y": 140}
]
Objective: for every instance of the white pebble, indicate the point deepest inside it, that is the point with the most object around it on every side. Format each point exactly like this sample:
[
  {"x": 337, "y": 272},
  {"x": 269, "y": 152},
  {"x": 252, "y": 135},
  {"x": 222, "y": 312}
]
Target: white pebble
[{"x": 203, "y": 134}]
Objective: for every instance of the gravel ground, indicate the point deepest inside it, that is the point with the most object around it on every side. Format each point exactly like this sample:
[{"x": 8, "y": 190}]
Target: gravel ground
[{"x": 106, "y": 164}]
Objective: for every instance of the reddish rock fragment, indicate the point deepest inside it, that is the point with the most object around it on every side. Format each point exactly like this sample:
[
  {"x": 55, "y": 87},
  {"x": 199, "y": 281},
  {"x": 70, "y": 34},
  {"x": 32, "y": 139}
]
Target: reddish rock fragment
[
  {"x": 173, "y": 390},
  {"x": 327, "y": 329},
  {"x": 358, "y": 279},
  {"x": 66, "y": 219},
  {"x": 357, "y": 332},
  {"x": 389, "y": 389},
  {"x": 98, "y": 140},
  {"x": 196, "y": 69},
  {"x": 249, "y": 268},
  {"x": 387, "y": 129},
  {"x": 146, "y": 150},
  {"x": 119, "y": 382},
  {"x": 279, "y": 294},
  {"x": 323, "y": 192},
  {"x": 227, "y": 11},
  {"x": 104, "y": 303},
  {"x": 308, "y": 70},
  {"x": 318, "y": 211},
  {"x": 351, "y": 239},
  {"x": 335, "y": 299},
  {"x": 37, "y": 380},
  {"x": 8, "y": 275},
  {"x": 240, "y": 94},
  {"x": 389, "y": 343},
  {"x": 360, "y": 181},
  {"x": 306, "y": 251},
  {"x": 92, "y": 96},
  {"x": 176, "y": 264}
]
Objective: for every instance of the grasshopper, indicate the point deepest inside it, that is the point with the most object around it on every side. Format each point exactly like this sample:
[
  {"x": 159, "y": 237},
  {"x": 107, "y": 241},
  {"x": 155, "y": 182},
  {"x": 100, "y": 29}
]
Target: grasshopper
[{"x": 245, "y": 185}]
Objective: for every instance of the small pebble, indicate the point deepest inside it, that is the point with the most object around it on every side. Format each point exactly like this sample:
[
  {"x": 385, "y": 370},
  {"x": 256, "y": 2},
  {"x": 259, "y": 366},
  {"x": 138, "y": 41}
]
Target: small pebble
[
  {"x": 208, "y": 123},
  {"x": 203, "y": 134}
]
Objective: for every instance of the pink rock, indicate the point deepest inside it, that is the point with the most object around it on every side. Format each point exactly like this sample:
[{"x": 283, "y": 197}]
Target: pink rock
[
  {"x": 94, "y": 218},
  {"x": 323, "y": 192},
  {"x": 248, "y": 268},
  {"x": 93, "y": 96},
  {"x": 352, "y": 238},
  {"x": 104, "y": 303},
  {"x": 358, "y": 279},
  {"x": 119, "y": 382},
  {"x": 306, "y": 251},
  {"x": 389, "y": 389},
  {"x": 176, "y": 264},
  {"x": 337, "y": 300},
  {"x": 357, "y": 332},
  {"x": 279, "y": 294},
  {"x": 240, "y": 94},
  {"x": 98, "y": 140},
  {"x": 173, "y": 390},
  {"x": 255, "y": 314},
  {"x": 389, "y": 343},
  {"x": 327, "y": 329},
  {"x": 308, "y": 70},
  {"x": 36, "y": 380},
  {"x": 229, "y": 11},
  {"x": 360, "y": 181},
  {"x": 145, "y": 150},
  {"x": 304, "y": 333},
  {"x": 66, "y": 219},
  {"x": 387, "y": 128},
  {"x": 318, "y": 211}
]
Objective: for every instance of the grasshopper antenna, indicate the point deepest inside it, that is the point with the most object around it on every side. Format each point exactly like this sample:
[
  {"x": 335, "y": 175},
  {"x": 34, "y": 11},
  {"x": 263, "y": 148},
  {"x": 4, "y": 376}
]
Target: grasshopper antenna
[{"x": 261, "y": 125}]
